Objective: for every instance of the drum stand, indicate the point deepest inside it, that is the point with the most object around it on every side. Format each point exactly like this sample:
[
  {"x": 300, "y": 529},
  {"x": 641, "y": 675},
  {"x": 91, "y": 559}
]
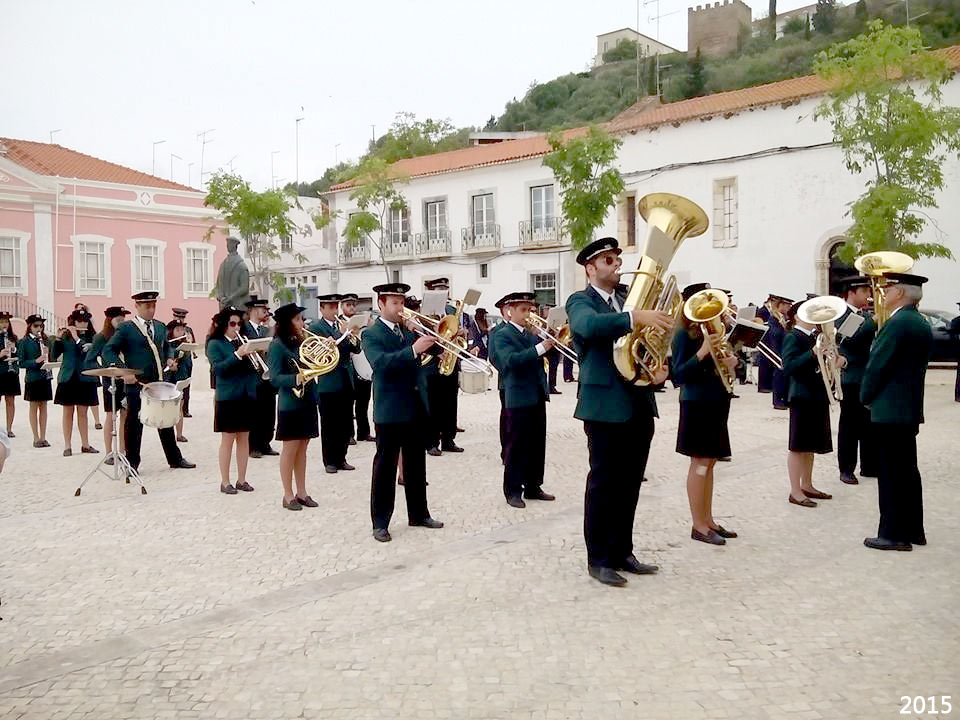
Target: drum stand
[{"x": 121, "y": 466}]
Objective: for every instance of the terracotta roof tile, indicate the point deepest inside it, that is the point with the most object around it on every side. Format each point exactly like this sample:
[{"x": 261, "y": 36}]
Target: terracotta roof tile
[
  {"x": 639, "y": 116},
  {"x": 49, "y": 159}
]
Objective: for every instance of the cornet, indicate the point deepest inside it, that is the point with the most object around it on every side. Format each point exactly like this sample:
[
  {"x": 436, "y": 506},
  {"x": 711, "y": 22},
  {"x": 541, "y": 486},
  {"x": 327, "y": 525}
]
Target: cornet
[
  {"x": 539, "y": 326},
  {"x": 423, "y": 323}
]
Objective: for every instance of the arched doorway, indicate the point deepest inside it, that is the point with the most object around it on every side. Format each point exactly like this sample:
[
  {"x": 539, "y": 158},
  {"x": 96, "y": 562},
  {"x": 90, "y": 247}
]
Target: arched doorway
[{"x": 838, "y": 269}]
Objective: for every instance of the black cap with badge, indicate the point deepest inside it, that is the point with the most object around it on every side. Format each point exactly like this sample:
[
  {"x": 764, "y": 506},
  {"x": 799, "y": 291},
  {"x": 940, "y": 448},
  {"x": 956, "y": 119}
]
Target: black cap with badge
[
  {"x": 895, "y": 278},
  {"x": 391, "y": 289},
  {"x": 602, "y": 245},
  {"x": 116, "y": 311},
  {"x": 515, "y": 297},
  {"x": 255, "y": 301},
  {"x": 145, "y": 296},
  {"x": 288, "y": 311},
  {"x": 332, "y": 298},
  {"x": 690, "y": 290}
]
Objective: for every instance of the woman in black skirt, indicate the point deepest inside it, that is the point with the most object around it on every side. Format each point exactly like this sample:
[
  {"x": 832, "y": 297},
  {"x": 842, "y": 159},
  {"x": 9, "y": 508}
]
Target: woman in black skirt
[
  {"x": 296, "y": 416},
  {"x": 33, "y": 352},
  {"x": 178, "y": 333},
  {"x": 702, "y": 433},
  {"x": 235, "y": 397},
  {"x": 75, "y": 391},
  {"x": 114, "y": 316},
  {"x": 809, "y": 410},
  {"x": 9, "y": 370}
]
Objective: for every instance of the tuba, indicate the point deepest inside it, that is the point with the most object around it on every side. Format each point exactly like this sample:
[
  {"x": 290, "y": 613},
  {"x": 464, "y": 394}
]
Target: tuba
[
  {"x": 319, "y": 355},
  {"x": 671, "y": 219},
  {"x": 708, "y": 308},
  {"x": 875, "y": 265},
  {"x": 823, "y": 311}
]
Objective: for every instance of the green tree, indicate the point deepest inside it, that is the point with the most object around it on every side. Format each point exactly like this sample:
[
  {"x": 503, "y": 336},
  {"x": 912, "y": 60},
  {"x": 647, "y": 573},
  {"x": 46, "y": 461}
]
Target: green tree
[
  {"x": 897, "y": 134},
  {"x": 696, "y": 79},
  {"x": 262, "y": 220},
  {"x": 583, "y": 167},
  {"x": 376, "y": 195},
  {"x": 825, "y": 17},
  {"x": 409, "y": 137}
]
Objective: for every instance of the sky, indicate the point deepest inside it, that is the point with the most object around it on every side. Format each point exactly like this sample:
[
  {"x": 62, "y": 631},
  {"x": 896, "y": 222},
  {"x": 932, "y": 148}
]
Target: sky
[{"x": 113, "y": 77}]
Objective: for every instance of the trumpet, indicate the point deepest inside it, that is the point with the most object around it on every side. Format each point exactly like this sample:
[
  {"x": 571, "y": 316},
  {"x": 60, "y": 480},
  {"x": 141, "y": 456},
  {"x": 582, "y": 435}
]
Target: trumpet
[
  {"x": 707, "y": 308},
  {"x": 561, "y": 336},
  {"x": 342, "y": 327},
  {"x": 458, "y": 352},
  {"x": 259, "y": 364}
]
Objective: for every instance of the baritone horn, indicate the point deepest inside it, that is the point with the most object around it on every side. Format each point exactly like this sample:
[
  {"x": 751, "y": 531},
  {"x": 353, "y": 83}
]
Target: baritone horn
[
  {"x": 707, "y": 309},
  {"x": 875, "y": 265},
  {"x": 823, "y": 312},
  {"x": 671, "y": 219}
]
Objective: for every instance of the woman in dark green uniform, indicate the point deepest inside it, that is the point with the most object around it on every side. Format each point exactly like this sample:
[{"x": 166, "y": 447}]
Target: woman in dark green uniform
[
  {"x": 235, "y": 396},
  {"x": 297, "y": 419},
  {"x": 9, "y": 369},
  {"x": 113, "y": 317},
  {"x": 34, "y": 351},
  {"x": 75, "y": 391}
]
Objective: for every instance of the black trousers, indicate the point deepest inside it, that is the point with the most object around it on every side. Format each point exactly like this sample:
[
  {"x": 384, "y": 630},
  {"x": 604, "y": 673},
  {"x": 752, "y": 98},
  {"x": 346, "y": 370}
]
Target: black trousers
[
  {"x": 956, "y": 389},
  {"x": 392, "y": 438},
  {"x": 618, "y": 460},
  {"x": 185, "y": 402},
  {"x": 134, "y": 432},
  {"x": 503, "y": 427},
  {"x": 524, "y": 449},
  {"x": 442, "y": 392},
  {"x": 567, "y": 369},
  {"x": 854, "y": 433},
  {"x": 899, "y": 489},
  {"x": 764, "y": 375},
  {"x": 553, "y": 362},
  {"x": 336, "y": 425},
  {"x": 264, "y": 423},
  {"x": 779, "y": 388},
  {"x": 361, "y": 406}
]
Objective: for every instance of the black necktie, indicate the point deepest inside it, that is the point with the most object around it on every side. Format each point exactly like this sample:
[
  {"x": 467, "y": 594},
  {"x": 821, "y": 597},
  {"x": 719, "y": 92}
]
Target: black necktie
[
  {"x": 610, "y": 303},
  {"x": 149, "y": 328},
  {"x": 398, "y": 332}
]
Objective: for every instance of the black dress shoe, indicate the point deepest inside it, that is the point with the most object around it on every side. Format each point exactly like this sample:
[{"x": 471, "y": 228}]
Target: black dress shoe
[
  {"x": 427, "y": 523},
  {"x": 451, "y": 447},
  {"x": 631, "y": 564},
  {"x": 709, "y": 537},
  {"x": 185, "y": 464},
  {"x": 187, "y": 415},
  {"x": 435, "y": 452},
  {"x": 381, "y": 535},
  {"x": 817, "y": 495},
  {"x": 806, "y": 502},
  {"x": 370, "y": 438},
  {"x": 330, "y": 468},
  {"x": 879, "y": 543},
  {"x": 89, "y": 449},
  {"x": 539, "y": 495},
  {"x": 292, "y": 505},
  {"x": 870, "y": 474},
  {"x": 554, "y": 391},
  {"x": 228, "y": 489},
  {"x": 269, "y": 451},
  {"x": 725, "y": 459},
  {"x": 460, "y": 429},
  {"x": 516, "y": 501},
  {"x": 345, "y": 466},
  {"x": 849, "y": 479},
  {"x": 244, "y": 486},
  {"x": 606, "y": 575},
  {"x": 723, "y": 532},
  {"x": 68, "y": 452},
  {"x": 306, "y": 501},
  {"x": 256, "y": 454},
  {"x": 352, "y": 441},
  {"x": 920, "y": 540}
]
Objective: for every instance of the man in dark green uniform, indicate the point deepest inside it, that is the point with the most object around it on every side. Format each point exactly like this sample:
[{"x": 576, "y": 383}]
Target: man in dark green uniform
[
  {"x": 518, "y": 357},
  {"x": 335, "y": 389},
  {"x": 617, "y": 416},
  {"x": 892, "y": 388},
  {"x": 141, "y": 343},
  {"x": 443, "y": 392},
  {"x": 263, "y": 424},
  {"x": 394, "y": 354}
]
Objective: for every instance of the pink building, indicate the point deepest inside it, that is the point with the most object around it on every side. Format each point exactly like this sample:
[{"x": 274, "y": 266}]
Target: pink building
[{"x": 74, "y": 228}]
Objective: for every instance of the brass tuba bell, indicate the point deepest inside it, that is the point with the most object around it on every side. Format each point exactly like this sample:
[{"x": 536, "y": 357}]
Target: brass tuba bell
[{"x": 876, "y": 265}]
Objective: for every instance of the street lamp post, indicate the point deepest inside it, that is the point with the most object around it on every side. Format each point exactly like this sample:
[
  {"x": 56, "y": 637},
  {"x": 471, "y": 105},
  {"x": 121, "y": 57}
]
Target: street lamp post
[
  {"x": 153, "y": 171},
  {"x": 172, "y": 157},
  {"x": 297, "y": 151}
]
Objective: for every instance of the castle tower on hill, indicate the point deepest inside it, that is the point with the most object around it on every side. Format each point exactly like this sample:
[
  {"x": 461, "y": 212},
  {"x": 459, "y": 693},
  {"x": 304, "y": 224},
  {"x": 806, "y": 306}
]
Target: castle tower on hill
[{"x": 716, "y": 29}]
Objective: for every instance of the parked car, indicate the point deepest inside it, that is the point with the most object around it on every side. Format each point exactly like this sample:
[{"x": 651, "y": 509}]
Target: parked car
[{"x": 946, "y": 347}]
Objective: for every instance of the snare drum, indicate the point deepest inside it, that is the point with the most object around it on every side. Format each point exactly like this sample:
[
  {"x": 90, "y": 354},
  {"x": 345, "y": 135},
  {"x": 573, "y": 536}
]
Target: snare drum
[
  {"x": 472, "y": 380},
  {"x": 160, "y": 405}
]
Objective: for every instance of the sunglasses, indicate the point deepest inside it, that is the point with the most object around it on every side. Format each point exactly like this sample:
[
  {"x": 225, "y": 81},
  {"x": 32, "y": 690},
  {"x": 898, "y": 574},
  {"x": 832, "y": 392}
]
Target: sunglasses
[
  {"x": 610, "y": 259},
  {"x": 234, "y": 323},
  {"x": 37, "y": 325}
]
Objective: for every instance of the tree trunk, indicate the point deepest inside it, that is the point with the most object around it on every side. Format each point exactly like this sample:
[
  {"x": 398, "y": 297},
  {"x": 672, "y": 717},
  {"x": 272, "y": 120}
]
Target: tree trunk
[{"x": 772, "y": 10}]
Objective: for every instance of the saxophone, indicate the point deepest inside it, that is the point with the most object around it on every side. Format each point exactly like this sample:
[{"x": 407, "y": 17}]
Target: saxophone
[{"x": 671, "y": 219}]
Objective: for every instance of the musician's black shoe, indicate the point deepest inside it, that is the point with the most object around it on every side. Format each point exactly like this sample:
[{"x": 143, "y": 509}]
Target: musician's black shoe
[
  {"x": 723, "y": 532},
  {"x": 68, "y": 452},
  {"x": 516, "y": 501},
  {"x": 353, "y": 441},
  {"x": 369, "y": 438},
  {"x": 539, "y": 495},
  {"x": 734, "y": 396},
  {"x": 879, "y": 543},
  {"x": 427, "y": 522},
  {"x": 269, "y": 451},
  {"x": 709, "y": 537},
  {"x": 11, "y": 434},
  {"x": 607, "y": 576},
  {"x": 451, "y": 447},
  {"x": 182, "y": 438},
  {"x": 245, "y": 486},
  {"x": 292, "y": 505},
  {"x": 460, "y": 429},
  {"x": 434, "y": 451},
  {"x": 108, "y": 461},
  {"x": 228, "y": 489},
  {"x": 330, "y": 468},
  {"x": 306, "y": 501},
  {"x": 554, "y": 391},
  {"x": 89, "y": 449},
  {"x": 920, "y": 540},
  {"x": 185, "y": 464},
  {"x": 871, "y": 473},
  {"x": 725, "y": 459},
  {"x": 631, "y": 564},
  {"x": 780, "y": 407},
  {"x": 381, "y": 535},
  {"x": 186, "y": 415},
  {"x": 256, "y": 454},
  {"x": 816, "y": 494},
  {"x": 98, "y": 426},
  {"x": 346, "y": 466},
  {"x": 849, "y": 479}
]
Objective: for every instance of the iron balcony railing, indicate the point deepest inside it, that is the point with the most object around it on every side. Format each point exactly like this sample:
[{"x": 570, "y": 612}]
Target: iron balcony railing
[
  {"x": 397, "y": 249},
  {"x": 348, "y": 253},
  {"x": 546, "y": 232},
  {"x": 434, "y": 243},
  {"x": 480, "y": 237}
]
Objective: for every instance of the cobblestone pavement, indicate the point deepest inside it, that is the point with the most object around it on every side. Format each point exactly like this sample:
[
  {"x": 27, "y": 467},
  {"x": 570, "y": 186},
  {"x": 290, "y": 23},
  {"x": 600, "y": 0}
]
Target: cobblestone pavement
[{"x": 186, "y": 603}]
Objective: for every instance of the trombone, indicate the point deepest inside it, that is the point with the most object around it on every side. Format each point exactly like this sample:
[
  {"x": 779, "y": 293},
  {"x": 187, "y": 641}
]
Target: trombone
[
  {"x": 427, "y": 326},
  {"x": 539, "y": 326},
  {"x": 259, "y": 364}
]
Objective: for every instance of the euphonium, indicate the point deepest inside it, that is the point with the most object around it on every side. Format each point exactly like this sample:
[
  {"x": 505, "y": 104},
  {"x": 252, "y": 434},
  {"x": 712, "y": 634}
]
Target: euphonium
[
  {"x": 875, "y": 265},
  {"x": 823, "y": 311},
  {"x": 707, "y": 308},
  {"x": 449, "y": 329},
  {"x": 318, "y": 356},
  {"x": 671, "y": 219}
]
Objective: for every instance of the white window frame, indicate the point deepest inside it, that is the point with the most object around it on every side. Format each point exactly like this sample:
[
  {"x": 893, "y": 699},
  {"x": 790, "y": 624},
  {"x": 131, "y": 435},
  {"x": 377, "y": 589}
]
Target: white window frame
[
  {"x": 532, "y": 282},
  {"x": 726, "y": 214},
  {"x": 399, "y": 225},
  {"x": 185, "y": 249},
  {"x": 487, "y": 213},
  {"x": 161, "y": 246},
  {"x": 286, "y": 244},
  {"x": 544, "y": 219},
  {"x": 440, "y": 218},
  {"x": 24, "y": 238},
  {"x": 106, "y": 244}
]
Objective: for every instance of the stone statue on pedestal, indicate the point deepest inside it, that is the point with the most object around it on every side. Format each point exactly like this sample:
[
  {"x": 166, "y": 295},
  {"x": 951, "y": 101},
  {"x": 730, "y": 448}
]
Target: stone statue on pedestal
[{"x": 233, "y": 278}]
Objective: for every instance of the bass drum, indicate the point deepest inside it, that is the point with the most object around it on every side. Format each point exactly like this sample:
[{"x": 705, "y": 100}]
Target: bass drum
[
  {"x": 362, "y": 366},
  {"x": 160, "y": 405}
]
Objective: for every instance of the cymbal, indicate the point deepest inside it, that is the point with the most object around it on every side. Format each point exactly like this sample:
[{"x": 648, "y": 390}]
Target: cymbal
[{"x": 112, "y": 372}]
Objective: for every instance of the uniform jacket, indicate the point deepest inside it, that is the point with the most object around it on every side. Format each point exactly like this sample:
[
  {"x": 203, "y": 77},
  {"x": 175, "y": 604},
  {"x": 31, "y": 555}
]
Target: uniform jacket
[
  {"x": 72, "y": 356},
  {"x": 28, "y": 351},
  {"x": 129, "y": 348},
  {"x": 698, "y": 379},
  {"x": 856, "y": 349},
  {"x": 514, "y": 355},
  {"x": 892, "y": 385},
  {"x": 602, "y": 394},
  {"x": 284, "y": 362},
  {"x": 801, "y": 368},
  {"x": 341, "y": 377},
  {"x": 236, "y": 377},
  {"x": 396, "y": 373}
]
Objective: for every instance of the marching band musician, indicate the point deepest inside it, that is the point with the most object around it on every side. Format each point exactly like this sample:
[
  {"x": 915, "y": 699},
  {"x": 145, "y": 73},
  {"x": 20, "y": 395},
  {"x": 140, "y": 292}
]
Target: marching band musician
[
  {"x": 9, "y": 369},
  {"x": 809, "y": 409},
  {"x": 702, "y": 433},
  {"x": 75, "y": 392},
  {"x": 33, "y": 350},
  {"x": 113, "y": 317},
  {"x": 764, "y": 366},
  {"x": 141, "y": 344},
  {"x": 892, "y": 388},
  {"x": 177, "y": 333},
  {"x": 235, "y": 398},
  {"x": 618, "y": 417},
  {"x": 518, "y": 357},
  {"x": 853, "y": 430},
  {"x": 394, "y": 354},
  {"x": 263, "y": 423},
  {"x": 443, "y": 392},
  {"x": 361, "y": 388},
  {"x": 774, "y": 339},
  {"x": 180, "y": 317},
  {"x": 335, "y": 390},
  {"x": 297, "y": 419}
]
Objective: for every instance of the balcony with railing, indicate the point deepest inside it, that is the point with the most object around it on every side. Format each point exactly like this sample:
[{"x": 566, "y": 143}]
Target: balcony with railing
[
  {"x": 434, "y": 243},
  {"x": 350, "y": 253},
  {"x": 398, "y": 248},
  {"x": 480, "y": 238},
  {"x": 542, "y": 233}
]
